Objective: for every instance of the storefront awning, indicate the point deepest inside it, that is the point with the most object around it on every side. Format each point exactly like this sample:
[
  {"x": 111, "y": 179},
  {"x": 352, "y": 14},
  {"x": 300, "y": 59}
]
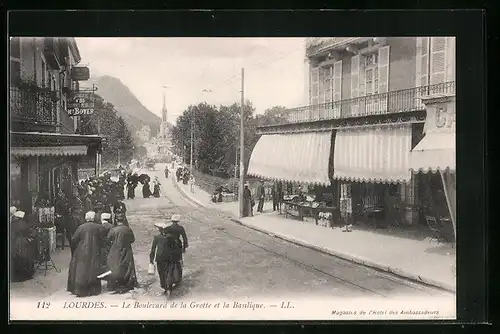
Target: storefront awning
[
  {"x": 377, "y": 154},
  {"x": 436, "y": 151},
  {"x": 295, "y": 157},
  {"x": 49, "y": 151}
]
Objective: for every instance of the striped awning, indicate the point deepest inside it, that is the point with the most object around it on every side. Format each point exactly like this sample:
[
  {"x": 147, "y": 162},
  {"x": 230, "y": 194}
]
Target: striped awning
[
  {"x": 294, "y": 157},
  {"x": 436, "y": 151},
  {"x": 49, "y": 150},
  {"x": 377, "y": 154}
]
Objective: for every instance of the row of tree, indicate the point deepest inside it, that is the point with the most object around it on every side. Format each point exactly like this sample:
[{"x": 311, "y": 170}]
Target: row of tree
[
  {"x": 216, "y": 133},
  {"x": 118, "y": 144}
]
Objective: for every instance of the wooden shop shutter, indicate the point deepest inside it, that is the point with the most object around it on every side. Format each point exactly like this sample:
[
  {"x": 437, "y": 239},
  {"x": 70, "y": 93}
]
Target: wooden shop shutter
[
  {"x": 450, "y": 59},
  {"x": 383, "y": 69},
  {"x": 438, "y": 60},
  {"x": 422, "y": 64},
  {"x": 355, "y": 76},
  {"x": 337, "y": 80},
  {"x": 315, "y": 85}
]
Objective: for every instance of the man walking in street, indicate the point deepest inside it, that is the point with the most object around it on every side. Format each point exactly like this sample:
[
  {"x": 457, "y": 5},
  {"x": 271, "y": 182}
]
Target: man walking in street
[{"x": 260, "y": 195}]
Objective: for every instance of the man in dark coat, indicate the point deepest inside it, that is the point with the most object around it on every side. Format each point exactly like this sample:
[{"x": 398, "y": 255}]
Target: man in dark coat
[
  {"x": 120, "y": 260},
  {"x": 86, "y": 260},
  {"x": 260, "y": 195}
]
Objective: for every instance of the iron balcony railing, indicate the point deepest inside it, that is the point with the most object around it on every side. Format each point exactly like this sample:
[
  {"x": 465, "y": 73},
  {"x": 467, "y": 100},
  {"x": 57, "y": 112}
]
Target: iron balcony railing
[
  {"x": 405, "y": 100},
  {"x": 32, "y": 106}
]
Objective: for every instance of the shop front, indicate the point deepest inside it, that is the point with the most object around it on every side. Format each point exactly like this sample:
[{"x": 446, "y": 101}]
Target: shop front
[
  {"x": 433, "y": 163},
  {"x": 371, "y": 164},
  {"x": 299, "y": 164},
  {"x": 42, "y": 167}
]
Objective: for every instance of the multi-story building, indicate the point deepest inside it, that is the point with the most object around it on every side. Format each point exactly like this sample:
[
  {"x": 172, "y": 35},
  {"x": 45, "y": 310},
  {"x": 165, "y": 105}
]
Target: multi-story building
[
  {"x": 44, "y": 149},
  {"x": 375, "y": 105}
]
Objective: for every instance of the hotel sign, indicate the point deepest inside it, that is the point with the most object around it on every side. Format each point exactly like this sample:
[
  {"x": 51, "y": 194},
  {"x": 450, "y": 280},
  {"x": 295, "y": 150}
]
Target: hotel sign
[
  {"x": 80, "y": 73},
  {"x": 82, "y": 104}
]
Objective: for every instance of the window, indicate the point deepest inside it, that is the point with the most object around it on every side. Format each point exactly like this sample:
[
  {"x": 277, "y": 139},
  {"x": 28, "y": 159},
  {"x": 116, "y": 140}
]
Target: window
[
  {"x": 44, "y": 74},
  {"x": 371, "y": 60},
  {"x": 328, "y": 84},
  {"x": 15, "y": 48},
  {"x": 15, "y": 61},
  {"x": 15, "y": 72},
  {"x": 371, "y": 78}
]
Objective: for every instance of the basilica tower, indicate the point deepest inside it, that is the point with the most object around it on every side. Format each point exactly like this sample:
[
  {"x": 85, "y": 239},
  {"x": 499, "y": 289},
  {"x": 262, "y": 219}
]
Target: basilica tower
[{"x": 164, "y": 120}]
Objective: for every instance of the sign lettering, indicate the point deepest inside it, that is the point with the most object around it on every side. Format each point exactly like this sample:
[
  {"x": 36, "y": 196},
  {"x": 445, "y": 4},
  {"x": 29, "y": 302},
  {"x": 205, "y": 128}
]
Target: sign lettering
[{"x": 82, "y": 104}]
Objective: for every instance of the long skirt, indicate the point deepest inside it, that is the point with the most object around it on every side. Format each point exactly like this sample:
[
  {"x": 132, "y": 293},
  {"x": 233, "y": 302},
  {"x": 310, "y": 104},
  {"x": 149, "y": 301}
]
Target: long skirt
[
  {"x": 23, "y": 269},
  {"x": 170, "y": 273},
  {"x": 130, "y": 192}
]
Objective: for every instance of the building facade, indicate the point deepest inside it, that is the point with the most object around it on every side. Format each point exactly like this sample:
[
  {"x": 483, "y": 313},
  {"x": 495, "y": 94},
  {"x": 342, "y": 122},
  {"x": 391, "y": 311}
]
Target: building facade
[
  {"x": 44, "y": 149},
  {"x": 371, "y": 103},
  {"x": 144, "y": 134}
]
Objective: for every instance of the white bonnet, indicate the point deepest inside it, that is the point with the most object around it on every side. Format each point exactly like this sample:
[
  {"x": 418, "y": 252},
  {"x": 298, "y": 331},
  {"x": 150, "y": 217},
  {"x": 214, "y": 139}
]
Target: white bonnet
[
  {"x": 19, "y": 214},
  {"x": 90, "y": 216}
]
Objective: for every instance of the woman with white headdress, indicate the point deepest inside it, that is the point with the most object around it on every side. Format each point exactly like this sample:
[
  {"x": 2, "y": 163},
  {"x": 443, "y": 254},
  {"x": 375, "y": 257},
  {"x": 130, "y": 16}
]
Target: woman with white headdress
[
  {"x": 23, "y": 248},
  {"x": 86, "y": 258}
]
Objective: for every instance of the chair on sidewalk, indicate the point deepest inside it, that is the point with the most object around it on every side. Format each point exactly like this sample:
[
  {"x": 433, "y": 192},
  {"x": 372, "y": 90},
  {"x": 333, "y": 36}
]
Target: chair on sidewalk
[{"x": 436, "y": 230}]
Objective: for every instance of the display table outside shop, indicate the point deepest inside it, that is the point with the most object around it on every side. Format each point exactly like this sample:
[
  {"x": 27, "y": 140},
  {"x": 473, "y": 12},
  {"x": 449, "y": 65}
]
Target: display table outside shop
[
  {"x": 302, "y": 209},
  {"x": 46, "y": 221}
]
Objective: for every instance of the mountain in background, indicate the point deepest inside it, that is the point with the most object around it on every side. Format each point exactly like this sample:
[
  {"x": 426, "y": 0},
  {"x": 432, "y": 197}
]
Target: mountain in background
[{"x": 136, "y": 115}]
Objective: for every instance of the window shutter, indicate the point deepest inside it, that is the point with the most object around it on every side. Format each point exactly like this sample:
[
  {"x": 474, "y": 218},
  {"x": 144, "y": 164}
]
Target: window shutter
[
  {"x": 355, "y": 76},
  {"x": 383, "y": 69},
  {"x": 422, "y": 63},
  {"x": 315, "y": 85},
  {"x": 438, "y": 60},
  {"x": 362, "y": 79},
  {"x": 337, "y": 80},
  {"x": 450, "y": 59}
]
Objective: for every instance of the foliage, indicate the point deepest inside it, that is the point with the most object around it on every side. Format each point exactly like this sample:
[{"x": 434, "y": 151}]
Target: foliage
[
  {"x": 118, "y": 137},
  {"x": 217, "y": 135}
]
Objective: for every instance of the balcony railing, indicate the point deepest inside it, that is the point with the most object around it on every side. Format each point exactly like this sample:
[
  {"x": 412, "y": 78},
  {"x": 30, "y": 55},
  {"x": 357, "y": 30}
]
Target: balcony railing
[
  {"x": 405, "y": 100},
  {"x": 32, "y": 106}
]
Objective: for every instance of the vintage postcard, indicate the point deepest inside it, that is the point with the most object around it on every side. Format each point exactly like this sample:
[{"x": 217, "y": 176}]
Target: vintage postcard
[{"x": 232, "y": 178}]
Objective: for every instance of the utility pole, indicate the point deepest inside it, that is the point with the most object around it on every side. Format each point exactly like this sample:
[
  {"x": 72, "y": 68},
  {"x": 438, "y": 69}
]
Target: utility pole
[
  {"x": 242, "y": 144},
  {"x": 192, "y": 140}
]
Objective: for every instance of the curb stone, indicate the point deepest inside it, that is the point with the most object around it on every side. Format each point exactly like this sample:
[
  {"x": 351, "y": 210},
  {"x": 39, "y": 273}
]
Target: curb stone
[{"x": 351, "y": 258}]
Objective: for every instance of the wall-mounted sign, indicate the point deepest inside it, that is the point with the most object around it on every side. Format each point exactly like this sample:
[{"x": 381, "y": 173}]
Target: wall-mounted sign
[
  {"x": 440, "y": 116},
  {"x": 81, "y": 105},
  {"x": 80, "y": 73}
]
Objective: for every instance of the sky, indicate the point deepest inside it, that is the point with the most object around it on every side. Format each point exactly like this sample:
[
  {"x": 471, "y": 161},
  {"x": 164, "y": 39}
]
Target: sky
[{"x": 274, "y": 70}]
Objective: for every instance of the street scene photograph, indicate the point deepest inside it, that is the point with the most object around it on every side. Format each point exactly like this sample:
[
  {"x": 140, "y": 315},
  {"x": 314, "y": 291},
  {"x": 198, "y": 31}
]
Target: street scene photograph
[{"x": 232, "y": 178}]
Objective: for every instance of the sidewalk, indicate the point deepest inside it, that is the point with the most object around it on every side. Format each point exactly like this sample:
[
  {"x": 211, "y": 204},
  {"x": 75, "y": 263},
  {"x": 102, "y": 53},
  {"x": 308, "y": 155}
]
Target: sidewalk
[
  {"x": 44, "y": 283},
  {"x": 419, "y": 260}
]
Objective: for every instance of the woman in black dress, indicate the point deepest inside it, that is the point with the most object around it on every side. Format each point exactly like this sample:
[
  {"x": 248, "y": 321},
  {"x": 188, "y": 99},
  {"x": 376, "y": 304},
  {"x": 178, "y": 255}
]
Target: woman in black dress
[
  {"x": 23, "y": 248},
  {"x": 156, "y": 188}
]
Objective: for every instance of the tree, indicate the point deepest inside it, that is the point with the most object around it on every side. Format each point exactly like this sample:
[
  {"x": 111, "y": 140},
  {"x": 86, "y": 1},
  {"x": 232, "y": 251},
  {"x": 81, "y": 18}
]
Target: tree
[
  {"x": 217, "y": 135},
  {"x": 105, "y": 122}
]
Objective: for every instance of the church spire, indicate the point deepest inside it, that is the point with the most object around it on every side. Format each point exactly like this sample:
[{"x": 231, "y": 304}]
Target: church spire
[{"x": 164, "y": 110}]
